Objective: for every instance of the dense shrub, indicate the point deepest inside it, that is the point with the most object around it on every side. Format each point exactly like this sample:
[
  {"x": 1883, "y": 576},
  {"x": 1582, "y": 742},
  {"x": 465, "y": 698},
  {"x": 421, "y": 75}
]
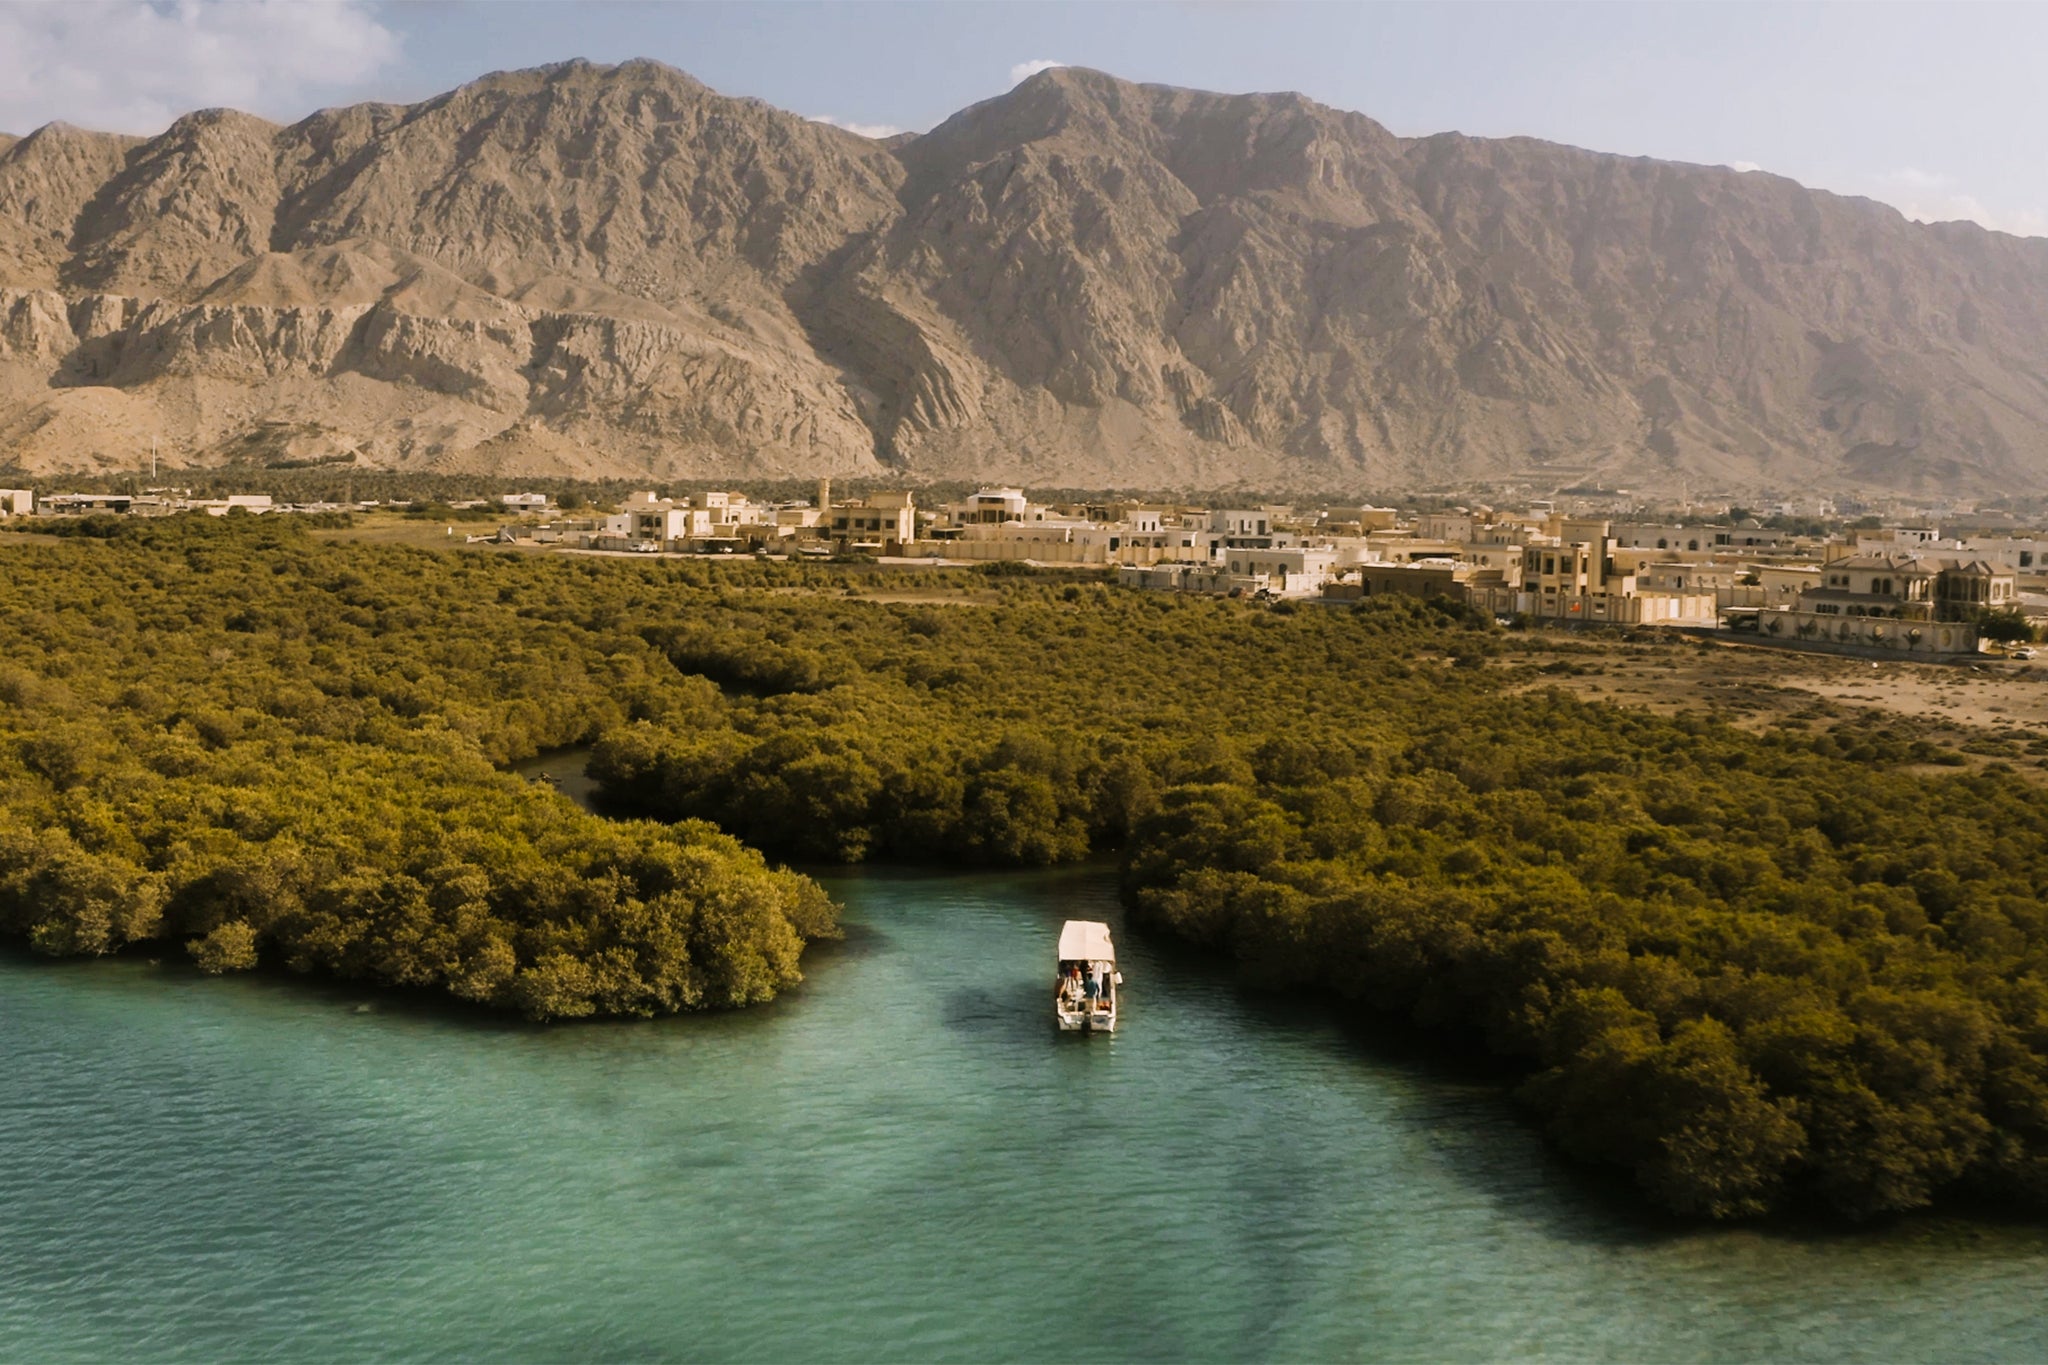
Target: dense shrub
[{"x": 228, "y": 735}]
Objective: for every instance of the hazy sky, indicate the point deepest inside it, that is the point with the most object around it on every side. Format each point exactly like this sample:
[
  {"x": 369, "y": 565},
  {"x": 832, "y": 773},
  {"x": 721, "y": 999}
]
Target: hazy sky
[{"x": 1933, "y": 108}]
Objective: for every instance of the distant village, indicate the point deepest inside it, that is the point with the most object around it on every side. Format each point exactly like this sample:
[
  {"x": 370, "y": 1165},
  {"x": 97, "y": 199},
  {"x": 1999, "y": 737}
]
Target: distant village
[{"x": 1900, "y": 590}]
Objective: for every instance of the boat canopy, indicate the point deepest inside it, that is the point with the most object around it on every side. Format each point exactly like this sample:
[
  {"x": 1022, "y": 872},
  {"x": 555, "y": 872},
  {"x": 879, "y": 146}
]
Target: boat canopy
[{"x": 1085, "y": 940}]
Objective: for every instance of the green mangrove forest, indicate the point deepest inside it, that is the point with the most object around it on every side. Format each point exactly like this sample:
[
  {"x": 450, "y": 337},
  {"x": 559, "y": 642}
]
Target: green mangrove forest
[
  {"x": 266, "y": 748},
  {"x": 1756, "y": 971}
]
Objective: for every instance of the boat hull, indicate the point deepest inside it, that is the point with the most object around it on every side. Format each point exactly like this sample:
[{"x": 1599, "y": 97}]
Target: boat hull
[{"x": 1077, "y": 1021}]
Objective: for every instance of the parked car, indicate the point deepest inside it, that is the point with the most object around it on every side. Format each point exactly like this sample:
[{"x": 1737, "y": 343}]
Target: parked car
[{"x": 2023, "y": 653}]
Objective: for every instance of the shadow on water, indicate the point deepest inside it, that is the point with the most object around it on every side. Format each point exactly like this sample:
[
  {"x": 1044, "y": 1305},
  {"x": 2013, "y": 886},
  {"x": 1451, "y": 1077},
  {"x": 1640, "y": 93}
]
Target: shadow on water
[
  {"x": 1460, "y": 1097},
  {"x": 858, "y": 939},
  {"x": 1454, "y": 1093},
  {"x": 1009, "y": 1018},
  {"x": 167, "y": 963},
  {"x": 1450, "y": 1092}
]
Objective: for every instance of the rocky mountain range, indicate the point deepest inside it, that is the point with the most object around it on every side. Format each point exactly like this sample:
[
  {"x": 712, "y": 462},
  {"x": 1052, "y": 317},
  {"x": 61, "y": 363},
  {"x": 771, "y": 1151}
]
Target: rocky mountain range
[{"x": 612, "y": 271}]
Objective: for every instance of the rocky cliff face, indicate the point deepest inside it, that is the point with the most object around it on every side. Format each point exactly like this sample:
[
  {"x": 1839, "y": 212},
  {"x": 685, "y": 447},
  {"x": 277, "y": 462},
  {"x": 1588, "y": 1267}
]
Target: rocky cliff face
[{"x": 615, "y": 270}]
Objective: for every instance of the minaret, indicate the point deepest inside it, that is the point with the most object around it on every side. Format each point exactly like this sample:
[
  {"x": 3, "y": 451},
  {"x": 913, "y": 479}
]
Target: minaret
[{"x": 824, "y": 496}]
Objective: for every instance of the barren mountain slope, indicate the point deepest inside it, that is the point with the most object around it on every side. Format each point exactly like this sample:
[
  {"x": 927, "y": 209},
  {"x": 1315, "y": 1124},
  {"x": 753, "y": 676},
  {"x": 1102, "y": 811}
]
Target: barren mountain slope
[
  {"x": 614, "y": 269},
  {"x": 46, "y": 180},
  {"x": 581, "y": 260},
  {"x": 1275, "y": 275}
]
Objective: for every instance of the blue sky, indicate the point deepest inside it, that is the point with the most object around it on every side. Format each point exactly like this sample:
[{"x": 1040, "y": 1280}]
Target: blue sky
[{"x": 1932, "y": 108}]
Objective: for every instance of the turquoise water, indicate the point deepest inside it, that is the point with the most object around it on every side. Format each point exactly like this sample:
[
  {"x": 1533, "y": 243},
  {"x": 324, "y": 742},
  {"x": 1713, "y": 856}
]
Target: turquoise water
[{"x": 900, "y": 1161}]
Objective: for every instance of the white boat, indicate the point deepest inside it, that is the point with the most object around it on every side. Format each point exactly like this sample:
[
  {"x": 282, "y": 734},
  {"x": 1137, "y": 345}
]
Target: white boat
[{"x": 1084, "y": 996}]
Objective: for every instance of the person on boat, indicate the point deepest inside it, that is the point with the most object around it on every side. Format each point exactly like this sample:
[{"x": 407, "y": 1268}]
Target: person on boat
[{"x": 1093, "y": 986}]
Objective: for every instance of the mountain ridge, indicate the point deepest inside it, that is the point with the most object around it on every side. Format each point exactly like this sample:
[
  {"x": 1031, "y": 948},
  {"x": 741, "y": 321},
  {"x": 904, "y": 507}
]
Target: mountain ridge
[{"x": 1083, "y": 281}]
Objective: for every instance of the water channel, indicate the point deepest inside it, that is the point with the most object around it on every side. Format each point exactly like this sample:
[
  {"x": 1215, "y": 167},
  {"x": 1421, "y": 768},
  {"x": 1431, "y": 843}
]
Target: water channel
[{"x": 901, "y": 1160}]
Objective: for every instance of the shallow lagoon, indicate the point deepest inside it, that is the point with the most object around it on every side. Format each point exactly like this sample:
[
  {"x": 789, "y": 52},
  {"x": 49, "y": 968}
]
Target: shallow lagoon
[{"x": 901, "y": 1160}]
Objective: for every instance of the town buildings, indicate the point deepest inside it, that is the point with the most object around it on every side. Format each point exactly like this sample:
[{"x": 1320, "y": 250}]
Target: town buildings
[{"x": 1903, "y": 588}]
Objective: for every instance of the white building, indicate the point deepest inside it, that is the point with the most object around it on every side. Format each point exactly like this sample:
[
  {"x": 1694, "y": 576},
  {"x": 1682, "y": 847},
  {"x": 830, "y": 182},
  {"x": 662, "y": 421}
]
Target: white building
[
  {"x": 2014, "y": 554},
  {"x": 1242, "y": 525},
  {"x": 648, "y": 519},
  {"x": 253, "y": 503},
  {"x": 1291, "y": 571},
  {"x": 993, "y": 507}
]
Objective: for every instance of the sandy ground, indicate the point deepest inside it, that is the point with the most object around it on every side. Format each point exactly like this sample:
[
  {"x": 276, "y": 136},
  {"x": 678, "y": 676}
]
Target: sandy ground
[
  {"x": 393, "y": 529},
  {"x": 1990, "y": 710}
]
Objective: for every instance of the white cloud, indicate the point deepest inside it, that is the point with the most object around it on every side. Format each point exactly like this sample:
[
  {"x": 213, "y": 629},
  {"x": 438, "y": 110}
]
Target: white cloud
[
  {"x": 131, "y": 66},
  {"x": 875, "y": 130},
  {"x": 1960, "y": 207},
  {"x": 1025, "y": 70},
  {"x": 1930, "y": 197},
  {"x": 1744, "y": 166}
]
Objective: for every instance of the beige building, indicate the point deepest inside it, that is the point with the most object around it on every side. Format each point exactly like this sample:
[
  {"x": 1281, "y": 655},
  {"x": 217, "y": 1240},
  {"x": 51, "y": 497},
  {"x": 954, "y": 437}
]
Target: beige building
[
  {"x": 1425, "y": 578},
  {"x": 1458, "y": 526},
  {"x": 1057, "y": 541},
  {"x": 1783, "y": 583},
  {"x": 1357, "y": 520},
  {"x": 1910, "y": 637},
  {"x": 1697, "y": 539},
  {"x": 1906, "y": 603},
  {"x": 1964, "y": 588},
  {"x": 1910, "y": 588},
  {"x": 882, "y": 522},
  {"x": 1577, "y": 580},
  {"x": 1573, "y": 579},
  {"x": 1174, "y": 576}
]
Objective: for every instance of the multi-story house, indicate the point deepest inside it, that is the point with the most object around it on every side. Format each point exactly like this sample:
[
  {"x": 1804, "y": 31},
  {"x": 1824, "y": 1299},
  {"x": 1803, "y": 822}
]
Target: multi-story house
[
  {"x": 879, "y": 521},
  {"x": 1914, "y": 604}
]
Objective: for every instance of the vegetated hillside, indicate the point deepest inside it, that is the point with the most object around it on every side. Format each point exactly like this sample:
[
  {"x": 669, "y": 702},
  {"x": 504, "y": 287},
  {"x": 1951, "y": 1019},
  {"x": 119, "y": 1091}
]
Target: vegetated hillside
[{"x": 605, "y": 270}]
